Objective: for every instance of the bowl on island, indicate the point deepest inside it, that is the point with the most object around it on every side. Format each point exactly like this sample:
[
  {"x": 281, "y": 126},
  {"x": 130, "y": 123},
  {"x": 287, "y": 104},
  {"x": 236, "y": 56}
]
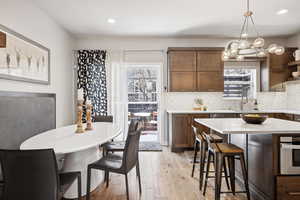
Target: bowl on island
[
  {"x": 254, "y": 118},
  {"x": 296, "y": 74}
]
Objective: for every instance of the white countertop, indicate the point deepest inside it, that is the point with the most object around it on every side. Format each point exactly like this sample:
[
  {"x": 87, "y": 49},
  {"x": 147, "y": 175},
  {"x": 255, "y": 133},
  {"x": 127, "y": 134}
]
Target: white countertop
[
  {"x": 296, "y": 112},
  {"x": 238, "y": 126},
  {"x": 64, "y": 140}
]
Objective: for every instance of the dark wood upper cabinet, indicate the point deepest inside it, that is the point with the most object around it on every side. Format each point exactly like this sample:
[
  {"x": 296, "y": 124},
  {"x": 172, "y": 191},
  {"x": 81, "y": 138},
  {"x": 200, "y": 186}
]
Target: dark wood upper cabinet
[
  {"x": 2, "y": 40},
  {"x": 195, "y": 69},
  {"x": 183, "y": 81},
  {"x": 182, "y": 61},
  {"x": 210, "y": 81},
  {"x": 209, "y": 61},
  {"x": 279, "y": 63}
]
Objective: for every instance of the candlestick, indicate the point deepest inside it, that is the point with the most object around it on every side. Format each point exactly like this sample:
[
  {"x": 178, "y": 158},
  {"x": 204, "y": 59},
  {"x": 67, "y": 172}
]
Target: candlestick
[
  {"x": 79, "y": 117},
  {"x": 88, "y": 102},
  {"x": 89, "y": 117}
]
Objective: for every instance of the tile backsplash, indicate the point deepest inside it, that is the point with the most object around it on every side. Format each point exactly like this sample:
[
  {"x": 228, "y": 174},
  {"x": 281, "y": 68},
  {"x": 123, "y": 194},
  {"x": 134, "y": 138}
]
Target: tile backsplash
[
  {"x": 293, "y": 96},
  {"x": 185, "y": 100},
  {"x": 215, "y": 101}
]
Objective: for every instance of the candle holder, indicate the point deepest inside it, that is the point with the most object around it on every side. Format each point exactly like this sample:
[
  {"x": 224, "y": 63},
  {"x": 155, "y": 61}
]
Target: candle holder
[
  {"x": 79, "y": 117},
  {"x": 89, "y": 117}
]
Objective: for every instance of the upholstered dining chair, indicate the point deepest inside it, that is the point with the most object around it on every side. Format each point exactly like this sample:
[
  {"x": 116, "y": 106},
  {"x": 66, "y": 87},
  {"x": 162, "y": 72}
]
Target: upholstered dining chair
[
  {"x": 120, "y": 146},
  {"x": 33, "y": 174},
  {"x": 119, "y": 164}
]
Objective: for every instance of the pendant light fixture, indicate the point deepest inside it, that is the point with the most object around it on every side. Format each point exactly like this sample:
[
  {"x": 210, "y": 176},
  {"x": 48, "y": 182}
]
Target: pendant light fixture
[{"x": 243, "y": 47}]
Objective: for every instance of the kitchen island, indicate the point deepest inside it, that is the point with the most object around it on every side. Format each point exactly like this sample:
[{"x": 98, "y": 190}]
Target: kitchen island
[{"x": 261, "y": 146}]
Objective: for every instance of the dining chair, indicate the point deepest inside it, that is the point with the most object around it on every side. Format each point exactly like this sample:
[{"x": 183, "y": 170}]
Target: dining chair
[
  {"x": 119, "y": 164},
  {"x": 120, "y": 146},
  {"x": 33, "y": 174}
]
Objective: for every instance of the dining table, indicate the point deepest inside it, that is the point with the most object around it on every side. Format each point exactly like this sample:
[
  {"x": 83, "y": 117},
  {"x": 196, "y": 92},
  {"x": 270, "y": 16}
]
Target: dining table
[{"x": 75, "y": 151}]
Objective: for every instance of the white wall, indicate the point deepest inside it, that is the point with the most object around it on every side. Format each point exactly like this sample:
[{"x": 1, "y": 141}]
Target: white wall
[{"x": 27, "y": 19}]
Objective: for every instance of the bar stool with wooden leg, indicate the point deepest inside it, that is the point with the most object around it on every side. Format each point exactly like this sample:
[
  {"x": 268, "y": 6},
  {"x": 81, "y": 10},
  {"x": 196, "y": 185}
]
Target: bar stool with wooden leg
[
  {"x": 219, "y": 152},
  {"x": 200, "y": 141},
  {"x": 197, "y": 145}
]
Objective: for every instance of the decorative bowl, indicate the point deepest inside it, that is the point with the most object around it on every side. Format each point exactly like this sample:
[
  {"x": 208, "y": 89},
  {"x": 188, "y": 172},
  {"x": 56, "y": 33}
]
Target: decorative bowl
[
  {"x": 296, "y": 74},
  {"x": 254, "y": 118}
]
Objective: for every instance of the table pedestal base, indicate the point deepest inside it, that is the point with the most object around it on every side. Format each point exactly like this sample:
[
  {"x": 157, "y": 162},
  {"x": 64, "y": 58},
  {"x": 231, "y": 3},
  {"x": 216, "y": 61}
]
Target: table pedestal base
[{"x": 79, "y": 161}]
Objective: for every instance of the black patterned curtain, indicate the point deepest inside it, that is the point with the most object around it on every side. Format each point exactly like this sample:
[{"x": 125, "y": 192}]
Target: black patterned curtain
[{"x": 92, "y": 79}]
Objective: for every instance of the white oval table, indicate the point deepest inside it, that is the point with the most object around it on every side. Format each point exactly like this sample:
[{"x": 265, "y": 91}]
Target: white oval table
[{"x": 78, "y": 150}]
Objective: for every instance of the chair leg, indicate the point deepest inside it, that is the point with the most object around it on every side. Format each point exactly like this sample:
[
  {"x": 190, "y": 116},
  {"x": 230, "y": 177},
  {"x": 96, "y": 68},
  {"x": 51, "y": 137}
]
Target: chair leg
[
  {"x": 232, "y": 173},
  {"x": 207, "y": 172},
  {"x": 202, "y": 164},
  {"x": 79, "y": 186},
  {"x": 107, "y": 178},
  {"x": 195, "y": 156},
  {"x": 226, "y": 173},
  {"x": 127, "y": 189},
  {"x": 245, "y": 175},
  {"x": 218, "y": 177},
  {"x": 88, "y": 184},
  {"x": 139, "y": 175}
]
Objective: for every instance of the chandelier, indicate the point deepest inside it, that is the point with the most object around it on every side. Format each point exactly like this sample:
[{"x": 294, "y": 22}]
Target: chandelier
[{"x": 243, "y": 47}]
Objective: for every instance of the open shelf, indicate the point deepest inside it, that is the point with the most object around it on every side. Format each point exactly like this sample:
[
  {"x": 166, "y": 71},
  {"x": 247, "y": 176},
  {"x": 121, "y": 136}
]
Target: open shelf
[{"x": 294, "y": 63}]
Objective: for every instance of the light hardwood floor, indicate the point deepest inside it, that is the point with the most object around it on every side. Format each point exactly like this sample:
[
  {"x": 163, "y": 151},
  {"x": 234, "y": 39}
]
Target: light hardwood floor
[{"x": 165, "y": 176}]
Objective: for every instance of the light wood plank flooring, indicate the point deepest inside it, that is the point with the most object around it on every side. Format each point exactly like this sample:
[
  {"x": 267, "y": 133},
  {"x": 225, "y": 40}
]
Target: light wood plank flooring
[{"x": 165, "y": 176}]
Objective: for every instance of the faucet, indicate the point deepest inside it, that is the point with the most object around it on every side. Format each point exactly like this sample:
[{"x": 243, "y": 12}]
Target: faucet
[{"x": 244, "y": 98}]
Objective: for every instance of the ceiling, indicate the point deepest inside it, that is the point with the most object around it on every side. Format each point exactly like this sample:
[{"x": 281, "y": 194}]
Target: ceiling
[{"x": 220, "y": 18}]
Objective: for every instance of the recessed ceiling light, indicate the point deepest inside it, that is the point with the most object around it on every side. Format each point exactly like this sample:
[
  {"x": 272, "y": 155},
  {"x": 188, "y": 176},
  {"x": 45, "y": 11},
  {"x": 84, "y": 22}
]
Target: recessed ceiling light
[
  {"x": 111, "y": 20},
  {"x": 282, "y": 11}
]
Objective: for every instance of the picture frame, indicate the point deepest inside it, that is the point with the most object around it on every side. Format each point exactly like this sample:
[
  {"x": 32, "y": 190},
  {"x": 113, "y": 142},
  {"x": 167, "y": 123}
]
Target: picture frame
[{"x": 22, "y": 59}]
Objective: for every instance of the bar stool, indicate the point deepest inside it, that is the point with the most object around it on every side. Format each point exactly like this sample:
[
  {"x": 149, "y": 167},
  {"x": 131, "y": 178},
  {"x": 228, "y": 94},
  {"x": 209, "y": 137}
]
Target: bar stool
[
  {"x": 201, "y": 141},
  {"x": 220, "y": 152}
]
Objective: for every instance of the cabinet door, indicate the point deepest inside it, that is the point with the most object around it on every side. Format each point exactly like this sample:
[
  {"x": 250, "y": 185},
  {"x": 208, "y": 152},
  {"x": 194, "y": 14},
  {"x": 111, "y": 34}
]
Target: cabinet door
[
  {"x": 182, "y": 61},
  {"x": 183, "y": 81},
  {"x": 278, "y": 63},
  {"x": 210, "y": 81},
  {"x": 2, "y": 40},
  {"x": 181, "y": 132},
  {"x": 277, "y": 77},
  {"x": 288, "y": 187},
  {"x": 209, "y": 61}
]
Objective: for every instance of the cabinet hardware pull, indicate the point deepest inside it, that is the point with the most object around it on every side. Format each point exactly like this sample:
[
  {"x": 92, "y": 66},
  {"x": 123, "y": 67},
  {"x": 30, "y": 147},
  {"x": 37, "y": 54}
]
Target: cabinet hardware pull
[{"x": 294, "y": 193}]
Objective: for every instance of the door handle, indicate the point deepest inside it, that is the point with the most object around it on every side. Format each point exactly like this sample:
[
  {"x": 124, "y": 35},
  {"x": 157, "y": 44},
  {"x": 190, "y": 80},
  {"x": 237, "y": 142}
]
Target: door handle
[
  {"x": 289, "y": 146},
  {"x": 294, "y": 193}
]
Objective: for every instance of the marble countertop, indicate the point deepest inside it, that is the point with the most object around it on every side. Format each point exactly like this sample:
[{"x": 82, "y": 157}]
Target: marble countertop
[
  {"x": 238, "y": 126},
  {"x": 295, "y": 112}
]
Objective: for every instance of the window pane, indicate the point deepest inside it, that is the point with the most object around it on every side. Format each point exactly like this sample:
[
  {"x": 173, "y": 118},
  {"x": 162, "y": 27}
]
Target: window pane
[{"x": 236, "y": 79}]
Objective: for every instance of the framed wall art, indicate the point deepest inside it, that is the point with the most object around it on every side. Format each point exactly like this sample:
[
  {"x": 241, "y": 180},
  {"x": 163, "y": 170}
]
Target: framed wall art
[{"x": 22, "y": 59}]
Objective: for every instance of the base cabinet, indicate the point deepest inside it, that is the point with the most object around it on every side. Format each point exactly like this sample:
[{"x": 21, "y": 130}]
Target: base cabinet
[
  {"x": 181, "y": 132},
  {"x": 288, "y": 187}
]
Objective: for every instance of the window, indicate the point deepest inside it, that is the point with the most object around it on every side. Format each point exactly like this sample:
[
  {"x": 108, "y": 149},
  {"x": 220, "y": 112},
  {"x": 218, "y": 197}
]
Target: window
[{"x": 239, "y": 77}]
